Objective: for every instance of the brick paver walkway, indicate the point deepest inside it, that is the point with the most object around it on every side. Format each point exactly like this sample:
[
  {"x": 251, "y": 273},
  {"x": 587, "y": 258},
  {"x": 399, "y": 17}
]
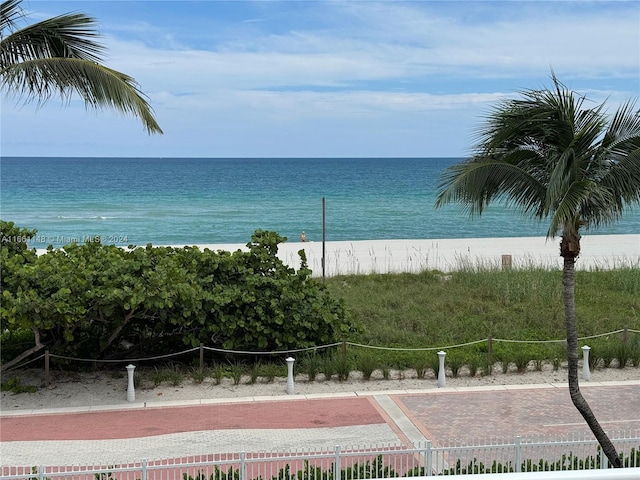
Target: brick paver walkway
[
  {"x": 109, "y": 424},
  {"x": 527, "y": 412},
  {"x": 166, "y": 432}
]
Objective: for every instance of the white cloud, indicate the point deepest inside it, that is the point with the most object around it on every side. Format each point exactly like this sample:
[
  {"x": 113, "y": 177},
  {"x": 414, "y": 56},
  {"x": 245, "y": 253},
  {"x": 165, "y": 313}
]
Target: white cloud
[
  {"x": 393, "y": 43},
  {"x": 369, "y": 76}
]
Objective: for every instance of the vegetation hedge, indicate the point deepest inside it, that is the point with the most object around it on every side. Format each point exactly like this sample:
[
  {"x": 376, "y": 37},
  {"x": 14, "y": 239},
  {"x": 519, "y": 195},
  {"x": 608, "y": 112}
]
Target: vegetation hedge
[{"x": 103, "y": 302}]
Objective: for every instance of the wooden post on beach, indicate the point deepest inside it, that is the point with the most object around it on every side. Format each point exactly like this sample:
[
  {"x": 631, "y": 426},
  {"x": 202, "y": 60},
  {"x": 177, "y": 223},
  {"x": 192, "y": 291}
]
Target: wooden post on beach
[
  {"x": 47, "y": 378},
  {"x": 323, "y": 241},
  {"x": 489, "y": 353}
]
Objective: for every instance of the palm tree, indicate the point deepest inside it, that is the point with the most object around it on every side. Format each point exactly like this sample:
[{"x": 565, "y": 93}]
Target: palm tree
[
  {"x": 61, "y": 56},
  {"x": 551, "y": 158}
]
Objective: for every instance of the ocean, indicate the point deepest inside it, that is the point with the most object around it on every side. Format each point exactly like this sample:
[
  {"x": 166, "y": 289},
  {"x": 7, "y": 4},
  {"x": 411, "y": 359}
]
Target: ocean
[{"x": 189, "y": 201}]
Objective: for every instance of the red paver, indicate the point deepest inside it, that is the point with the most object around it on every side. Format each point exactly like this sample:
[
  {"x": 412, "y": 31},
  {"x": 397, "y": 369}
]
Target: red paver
[
  {"x": 136, "y": 423},
  {"x": 527, "y": 412},
  {"x": 461, "y": 415}
]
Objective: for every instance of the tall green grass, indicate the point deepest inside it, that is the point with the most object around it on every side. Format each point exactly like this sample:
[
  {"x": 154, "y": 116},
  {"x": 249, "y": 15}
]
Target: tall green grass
[{"x": 433, "y": 309}]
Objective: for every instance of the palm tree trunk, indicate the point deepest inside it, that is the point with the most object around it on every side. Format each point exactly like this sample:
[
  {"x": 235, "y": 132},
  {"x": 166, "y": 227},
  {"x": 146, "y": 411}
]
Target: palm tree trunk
[{"x": 568, "y": 289}]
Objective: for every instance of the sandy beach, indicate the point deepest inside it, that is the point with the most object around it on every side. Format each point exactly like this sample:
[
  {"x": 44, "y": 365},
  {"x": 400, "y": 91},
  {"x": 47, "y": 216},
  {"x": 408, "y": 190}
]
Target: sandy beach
[
  {"x": 383, "y": 256},
  {"x": 446, "y": 255}
]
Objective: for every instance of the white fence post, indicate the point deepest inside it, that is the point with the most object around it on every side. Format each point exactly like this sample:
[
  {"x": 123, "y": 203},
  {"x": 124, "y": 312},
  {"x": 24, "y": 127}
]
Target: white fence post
[
  {"x": 145, "y": 473},
  {"x": 604, "y": 461},
  {"x": 518, "y": 461},
  {"x": 586, "y": 372},
  {"x": 243, "y": 466},
  {"x": 441, "y": 376},
  {"x": 131, "y": 390},
  {"x": 290, "y": 385},
  {"x": 428, "y": 461},
  {"x": 336, "y": 464}
]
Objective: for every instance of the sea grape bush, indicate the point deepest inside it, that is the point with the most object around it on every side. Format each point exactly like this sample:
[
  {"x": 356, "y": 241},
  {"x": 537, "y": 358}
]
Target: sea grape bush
[{"x": 104, "y": 302}]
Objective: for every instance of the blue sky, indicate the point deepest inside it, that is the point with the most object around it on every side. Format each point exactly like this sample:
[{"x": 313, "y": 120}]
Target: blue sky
[{"x": 327, "y": 78}]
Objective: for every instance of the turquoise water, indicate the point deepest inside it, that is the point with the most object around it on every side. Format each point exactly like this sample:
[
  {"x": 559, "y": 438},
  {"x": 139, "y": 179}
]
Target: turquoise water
[{"x": 187, "y": 201}]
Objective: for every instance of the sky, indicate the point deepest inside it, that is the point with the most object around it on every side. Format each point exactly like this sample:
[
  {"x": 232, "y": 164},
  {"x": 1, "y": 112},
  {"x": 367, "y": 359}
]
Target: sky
[{"x": 343, "y": 78}]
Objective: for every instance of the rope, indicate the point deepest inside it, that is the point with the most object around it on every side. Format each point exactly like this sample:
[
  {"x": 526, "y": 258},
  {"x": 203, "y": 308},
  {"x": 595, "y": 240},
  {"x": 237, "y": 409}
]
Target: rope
[
  {"x": 275, "y": 352},
  {"x": 15, "y": 367},
  {"x": 563, "y": 339},
  {"x": 425, "y": 349},
  {"x": 144, "y": 359},
  {"x": 527, "y": 341},
  {"x": 601, "y": 335},
  {"x": 353, "y": 344}
]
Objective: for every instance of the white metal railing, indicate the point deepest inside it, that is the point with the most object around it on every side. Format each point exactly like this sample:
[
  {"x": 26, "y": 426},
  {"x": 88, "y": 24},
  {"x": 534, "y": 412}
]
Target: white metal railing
[
  {"x": 355, "y": 463},
  {"x": 618, "y": 474}
]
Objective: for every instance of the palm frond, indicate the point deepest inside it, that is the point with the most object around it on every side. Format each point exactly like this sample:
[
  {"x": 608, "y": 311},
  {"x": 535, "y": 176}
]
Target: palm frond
[
  {"x": 585, "y": 203},
  {"x": 623, "y": 178},
  {"x": 99, "y": 86},
  {"x": 623, "y": 134},
  {"x": 10, "y": 13},
  {"x": 476, "y": 183},
  {"x": 61, "y": 56},
  {"x": 71, "y": 35}
]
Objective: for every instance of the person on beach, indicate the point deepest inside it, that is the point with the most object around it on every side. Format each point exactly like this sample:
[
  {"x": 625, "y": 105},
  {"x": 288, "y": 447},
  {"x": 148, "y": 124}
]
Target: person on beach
[{"x": 303, "y": 237}]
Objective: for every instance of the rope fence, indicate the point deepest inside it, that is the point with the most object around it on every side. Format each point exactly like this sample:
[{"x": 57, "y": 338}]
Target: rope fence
[{"x": 489, "y": 341}]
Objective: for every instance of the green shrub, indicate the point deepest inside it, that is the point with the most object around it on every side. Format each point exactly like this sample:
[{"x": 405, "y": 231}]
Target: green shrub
[
  {"x": 236, "y": 369},
  {"x": 475, "y": 362},
  {"x": 219, "y": 372},
  {"x": 311, "y": 364},
  {"x": 269, "y": 372},
  {"x": 328, "y": 366},
  {"x": 198, "y": 374},
  {"x": 342, "y": 367},
  {"x": 254, "y": 373},
  {"x": 367, "y": 363},
  {"x": 15, "y": 386},
  {"x": 455, "y": 362},
  {"x": 170, "y": 297},
  {"x": 422, "y": 363}
]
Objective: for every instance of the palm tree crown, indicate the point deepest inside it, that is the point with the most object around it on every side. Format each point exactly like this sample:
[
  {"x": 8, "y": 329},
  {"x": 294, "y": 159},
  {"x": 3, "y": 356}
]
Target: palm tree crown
[
  {"x": 551, "y": 158},
  {"x": 61, "y": 56},
  {"x": 548, "y": 156}
]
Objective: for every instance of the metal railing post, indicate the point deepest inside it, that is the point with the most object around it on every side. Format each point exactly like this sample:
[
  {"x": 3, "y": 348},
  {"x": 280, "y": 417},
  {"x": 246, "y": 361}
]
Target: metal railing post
[
  {"x": 243, "y": 466},
  {"x": 337, "y": 468},
  {"x": 518, "y": 461},
  {"x": 145, "y": 473},
  {"x": 428, "y": 460},
  {"x": 604, "y": 461}
]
